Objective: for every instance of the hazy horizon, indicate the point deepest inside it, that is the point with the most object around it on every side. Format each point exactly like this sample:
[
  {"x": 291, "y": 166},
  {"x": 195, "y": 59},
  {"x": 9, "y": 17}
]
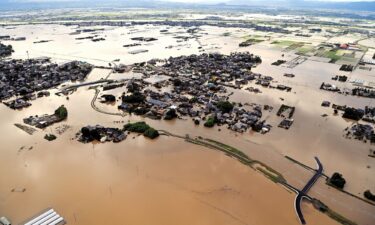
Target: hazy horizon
[
  {"x": 193, "y": 1},
  {"x": 348, "y": 5}
]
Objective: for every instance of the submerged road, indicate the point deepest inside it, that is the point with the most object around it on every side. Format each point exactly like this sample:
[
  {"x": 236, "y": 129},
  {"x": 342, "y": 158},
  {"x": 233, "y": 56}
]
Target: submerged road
[{"x": 303, "y": 193}]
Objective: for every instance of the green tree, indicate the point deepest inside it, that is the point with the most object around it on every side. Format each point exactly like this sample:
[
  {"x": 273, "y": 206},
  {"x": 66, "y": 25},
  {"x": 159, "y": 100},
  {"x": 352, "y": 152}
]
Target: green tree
[
  {"x": 138, "y": 127},
  {"x": 151, "y": 133},
  {"x": 61, "y": 112},
  {"x": 170, "y": 114},
  {"x": 224, "y": 106},
  {"x": 210, "y": 122},
  {"x": 136, "y": 97},
  {"x": 50, "y": 137},
  {"x": 337, "y": 180},
  {"x": 369, "y": 195}
]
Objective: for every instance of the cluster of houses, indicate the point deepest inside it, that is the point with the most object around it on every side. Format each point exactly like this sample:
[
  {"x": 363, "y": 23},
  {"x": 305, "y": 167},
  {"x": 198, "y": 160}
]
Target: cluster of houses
[
  {"x": 28, "y": 79},
  {"x": 266, "y": 81},
  {"x": 362, "y": 132},
  {"x": 101, "y": 134},
  {"x": 329, "y": 87},
  {"x": 363, "y": 92},
  {"x": 131, "y": 45},
  {"x": 357, "y": 91},
  {"x": 196, "y": 87},
  {"x": 9, "y": 38},
  {"x": 341, "y": 78},
  {"x": 145, "y": 39},
  {"x": 44, "y": 121},
  {"x": 19, "y": 103},
  {"x": 369, "y": 114},
  {"x": 286, "y": 112},
  {"x": 94, "y": 38},
  {"x": 347, "y": 68}
]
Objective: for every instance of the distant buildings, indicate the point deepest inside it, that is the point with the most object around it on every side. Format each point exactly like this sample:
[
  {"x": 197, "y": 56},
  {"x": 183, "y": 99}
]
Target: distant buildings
[
  {"x": 137, "y": 51},
  {"x": 145, "y": 39},
  {"x": 196, "y": 23}
]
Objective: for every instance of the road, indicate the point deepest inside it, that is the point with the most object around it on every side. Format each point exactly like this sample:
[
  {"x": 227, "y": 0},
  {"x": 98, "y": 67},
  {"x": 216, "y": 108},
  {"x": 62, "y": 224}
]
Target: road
[{"x": 303, "y": 193}]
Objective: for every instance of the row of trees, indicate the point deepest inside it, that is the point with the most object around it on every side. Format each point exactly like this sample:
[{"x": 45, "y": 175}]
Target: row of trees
[
  {"x": 142, "y": 128},
  {"x": 5, "y": 50},
  {"x": 338, "y": 181}
]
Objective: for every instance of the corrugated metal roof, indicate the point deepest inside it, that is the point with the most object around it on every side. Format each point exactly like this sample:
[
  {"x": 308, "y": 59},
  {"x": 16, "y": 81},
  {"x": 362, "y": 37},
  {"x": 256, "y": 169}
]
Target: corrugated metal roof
[{"x": 47, "y": 217}]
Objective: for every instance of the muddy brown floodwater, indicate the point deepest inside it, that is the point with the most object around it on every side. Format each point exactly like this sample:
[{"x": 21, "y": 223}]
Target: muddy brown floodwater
[
  {"x": 138, "y": 181},
  {"x": 169, "y": 181}
]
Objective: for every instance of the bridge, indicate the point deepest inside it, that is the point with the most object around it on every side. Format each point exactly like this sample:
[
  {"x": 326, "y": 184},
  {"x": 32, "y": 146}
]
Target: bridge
[{"x": 301, "y": 194}]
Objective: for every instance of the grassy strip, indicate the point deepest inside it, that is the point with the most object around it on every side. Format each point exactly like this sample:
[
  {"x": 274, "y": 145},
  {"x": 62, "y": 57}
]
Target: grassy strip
[
  {"x": 329, "y": 212},
  {"x": 332, "y": 55},
  {"x": 339, "y": 218},
  {"x": 304, "y": 166},
  {"x": 304, "y": 50},
  {"x": 268, "y": 172},
  {"x": 233, "y": 152},
  {"x": 283, "y": 43},
  {"x": 244, "y": 160},
  {"x": 272, "y": 177},
  {"x": 279, "y": 177},
  {"x": 142, "y": 128},
  {"x": 299, "y": 163},
  {"x": 352, "y": 195},
  {"x": 231, "y": 149},
  {"x": 170, "y": 134}
]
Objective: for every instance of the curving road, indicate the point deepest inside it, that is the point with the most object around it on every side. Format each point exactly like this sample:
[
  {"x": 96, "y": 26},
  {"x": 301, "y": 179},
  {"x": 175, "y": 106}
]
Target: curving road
[
  {"x": 303, "y": 193},
  {"x": 102, "y": 111}
]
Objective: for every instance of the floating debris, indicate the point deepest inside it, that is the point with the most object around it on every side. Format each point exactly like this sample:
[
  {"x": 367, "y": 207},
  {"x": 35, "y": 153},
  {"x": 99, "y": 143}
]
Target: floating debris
[
  {"x": 25, "y": 128},
  {"x": 20, "y": 190},
  {"x": 50, "y": 137},
  {"x": 61, "y": 129}
]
